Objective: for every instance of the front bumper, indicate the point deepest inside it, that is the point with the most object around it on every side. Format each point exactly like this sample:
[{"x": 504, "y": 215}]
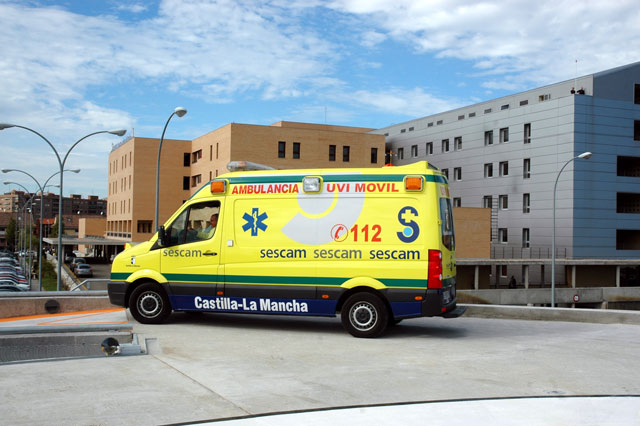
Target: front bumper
[{"x": 117, "y": 291}]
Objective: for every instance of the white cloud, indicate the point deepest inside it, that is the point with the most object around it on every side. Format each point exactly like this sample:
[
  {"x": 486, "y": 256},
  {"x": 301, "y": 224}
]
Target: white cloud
[
  {"x": 410, "y": 102},
  {"x": 537, "y": 40}
]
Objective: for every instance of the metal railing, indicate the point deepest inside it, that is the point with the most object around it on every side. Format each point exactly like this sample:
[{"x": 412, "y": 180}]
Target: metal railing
[
  {"x": 499, "y": 251},
  {"x": 88, "y": 283}
]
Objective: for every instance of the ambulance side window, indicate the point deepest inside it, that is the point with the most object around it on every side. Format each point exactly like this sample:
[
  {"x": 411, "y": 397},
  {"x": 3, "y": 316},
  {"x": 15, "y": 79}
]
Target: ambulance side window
[
  {"x": 446, "y": 218},
  {"x": 197, "y": 223}
]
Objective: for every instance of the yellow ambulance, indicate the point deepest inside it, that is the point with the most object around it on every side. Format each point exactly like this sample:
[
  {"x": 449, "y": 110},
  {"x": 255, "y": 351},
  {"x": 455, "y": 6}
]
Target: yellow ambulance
[{"x": 375, "y": 245}]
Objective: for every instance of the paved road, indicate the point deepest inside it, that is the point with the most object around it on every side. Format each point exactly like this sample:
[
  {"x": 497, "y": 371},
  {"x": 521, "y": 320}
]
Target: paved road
[{"x": 214, "y": 366}]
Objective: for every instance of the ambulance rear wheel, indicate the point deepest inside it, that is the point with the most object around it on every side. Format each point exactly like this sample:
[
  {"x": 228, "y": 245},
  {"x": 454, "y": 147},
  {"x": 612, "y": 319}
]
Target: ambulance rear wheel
[
  {"x": 149, "y": 304},
  {"x": 364, "y": 315}
]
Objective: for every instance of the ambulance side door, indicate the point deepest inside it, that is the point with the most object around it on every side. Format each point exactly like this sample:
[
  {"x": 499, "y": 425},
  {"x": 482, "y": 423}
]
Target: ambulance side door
[{"x": 190, "y": 258}]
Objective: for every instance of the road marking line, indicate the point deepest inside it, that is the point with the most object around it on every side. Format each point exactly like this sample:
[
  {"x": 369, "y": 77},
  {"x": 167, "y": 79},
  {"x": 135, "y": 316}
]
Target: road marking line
[{"x": 61, "y": 314}]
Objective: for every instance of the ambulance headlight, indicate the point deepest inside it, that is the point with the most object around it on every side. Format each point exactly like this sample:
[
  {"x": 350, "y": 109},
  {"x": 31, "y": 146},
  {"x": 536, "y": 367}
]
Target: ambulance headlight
[{"x": 312, "y": 184}]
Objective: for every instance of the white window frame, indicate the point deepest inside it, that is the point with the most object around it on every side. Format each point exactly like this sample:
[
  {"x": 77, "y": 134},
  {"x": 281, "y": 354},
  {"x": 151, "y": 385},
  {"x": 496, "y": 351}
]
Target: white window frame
[
  {"x": 488, "y": 170},
  {"x": 504, "y": 168},
  {"x": 488, "y": 138},
  {"x": 504, "y": 135},
  {"x": 457, "y": 173},
  {"x": 503, "y": 202}
]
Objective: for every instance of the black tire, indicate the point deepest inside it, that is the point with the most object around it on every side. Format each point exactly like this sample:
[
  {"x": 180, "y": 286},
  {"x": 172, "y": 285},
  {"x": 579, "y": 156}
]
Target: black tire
[
  {"x": 149, "y": 304},
  {"x": 364, "y": 315}
]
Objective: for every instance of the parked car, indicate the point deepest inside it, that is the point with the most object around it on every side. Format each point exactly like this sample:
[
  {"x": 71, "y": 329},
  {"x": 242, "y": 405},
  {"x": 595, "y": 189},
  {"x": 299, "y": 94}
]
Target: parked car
[
  {"x": 11, "y": 286},
  {"x": 83, "y": 270},
  {"x": 76, "y": 261}
]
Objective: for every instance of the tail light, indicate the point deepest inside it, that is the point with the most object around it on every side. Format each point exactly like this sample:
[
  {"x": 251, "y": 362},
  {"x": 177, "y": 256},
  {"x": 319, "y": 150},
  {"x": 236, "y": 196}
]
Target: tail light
[{"x": 434, "y": 273}]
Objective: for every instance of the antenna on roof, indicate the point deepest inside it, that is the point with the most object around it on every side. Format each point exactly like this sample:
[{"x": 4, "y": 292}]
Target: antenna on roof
[{"x": 575, "y": 79}]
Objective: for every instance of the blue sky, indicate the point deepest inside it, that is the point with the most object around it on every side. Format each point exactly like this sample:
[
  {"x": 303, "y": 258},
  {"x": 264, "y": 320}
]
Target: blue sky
[{"x": 69, "y": 68}]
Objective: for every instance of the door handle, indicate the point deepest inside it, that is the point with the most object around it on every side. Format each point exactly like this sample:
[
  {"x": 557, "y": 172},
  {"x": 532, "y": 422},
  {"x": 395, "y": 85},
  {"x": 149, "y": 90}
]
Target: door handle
[{"x": 210, "y": 253}]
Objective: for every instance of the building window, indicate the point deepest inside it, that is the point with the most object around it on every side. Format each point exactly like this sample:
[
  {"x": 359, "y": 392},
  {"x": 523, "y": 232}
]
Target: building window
[
  {"x": 525, "y": 238},
  {"x": 332, "y": 153},
  {"x": 457, "y": 202},
  {"x": 503, "y": 271},
  {"x": 487, "y": 202},
  {"x": 504, "y": 202},
  {"x": 488, "y": 170},
  {"x": 445, "y": 145},
  {"x": 400, "y": 153},
  {"x": 504, "y": 168},
  {"x": 487, "y": 111},
  {"x": 457, "y": 173},
  {"x": 345, "y": 154},
  {"x": 296, "y": 150},
  {"x": 526, "y": 168},
  {"x": 429, "y": 148},
  {"x": 627, "y": 202},
  {"x": 457, "y": 143},
  {"x": 629, "y": 166},
  {"x": 627, "y": 239},
  {"x": 430, "y": 124},
  {"x": 503, "y": 107},
  {"x": 196, "y": 156},
  {"x": 195, "y": 180},
  {"x": 504, "y": 135},
  {"x": 374, "y": 155},
  {"x": 503, "y": 236},
  {"x": 185, "y": 182},
  {"x": 527, "y": 133},
  {"x": 636, "y": 94},
  {"x": 526, "y": 203},
  {"x": 461, "y": 117},
  {"x": 414, "y": 151},
  {"x": 636, "y": 130},
  {"x": 144, "y": 226},
  {"x": 282, "y": 149},
  {"x": 403, "y": 130},
  {"x": 472, "y": 114},
  {"x": 411, "y": 129},
  {"x": 488, "y": 138},
  {"x": 187, "y": 159},
  {"x": 545, "y": 97},
  {"x": 439, "y": 122},
  {"x": 445, "y": 172},
  {"x": 525, "y": 102}
]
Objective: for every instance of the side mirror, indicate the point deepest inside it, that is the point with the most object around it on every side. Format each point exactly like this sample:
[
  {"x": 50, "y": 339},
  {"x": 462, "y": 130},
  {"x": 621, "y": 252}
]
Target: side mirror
[{"x": 162, "y": 237}]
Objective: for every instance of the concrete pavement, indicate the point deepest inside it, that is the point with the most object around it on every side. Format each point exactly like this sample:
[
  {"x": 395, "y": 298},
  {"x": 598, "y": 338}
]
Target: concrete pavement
[{"x": 216, "y": 366}]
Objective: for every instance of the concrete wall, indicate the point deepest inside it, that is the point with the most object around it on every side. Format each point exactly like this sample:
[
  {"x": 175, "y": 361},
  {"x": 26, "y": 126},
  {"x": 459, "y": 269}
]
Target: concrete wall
[{"x": 35, "y": 305}]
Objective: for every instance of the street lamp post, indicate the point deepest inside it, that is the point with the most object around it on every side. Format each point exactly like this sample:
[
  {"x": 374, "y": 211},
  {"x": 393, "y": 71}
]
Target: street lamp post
[
  {"x": 61, "y": 162},
  {"x": 23, "y": 235},
  {"x": 180, "y": 112},
  {"x": 584, "y": 156},
  {"x": 41, "y": 187}
]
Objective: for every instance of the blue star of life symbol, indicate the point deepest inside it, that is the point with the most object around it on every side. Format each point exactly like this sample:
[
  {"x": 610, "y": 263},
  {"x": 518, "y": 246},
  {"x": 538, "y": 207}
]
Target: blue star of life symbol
[{"x": 255, "y": 221}]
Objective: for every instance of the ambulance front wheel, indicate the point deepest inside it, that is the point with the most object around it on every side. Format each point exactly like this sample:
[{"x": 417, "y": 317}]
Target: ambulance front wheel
[
  {"x": 149, "y": 304},
  {"x": 364, "y": 315}
]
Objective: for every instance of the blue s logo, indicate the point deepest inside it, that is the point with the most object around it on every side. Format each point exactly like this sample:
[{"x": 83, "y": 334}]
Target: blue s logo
[{"x": 411, "y": 229}]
